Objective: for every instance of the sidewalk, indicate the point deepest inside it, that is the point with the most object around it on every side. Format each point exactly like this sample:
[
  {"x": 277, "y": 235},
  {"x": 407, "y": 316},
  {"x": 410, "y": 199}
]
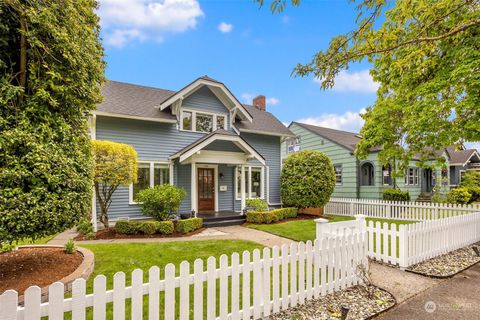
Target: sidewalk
[
  {"x": 220, "y": 233},
  {"x": 454, "y": 298}
]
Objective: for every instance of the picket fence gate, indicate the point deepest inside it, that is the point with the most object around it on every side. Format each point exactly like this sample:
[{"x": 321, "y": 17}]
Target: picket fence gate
[
  {"x": 397, "y": 210},
  {"x": 281, "y": 278},
  {"x": 410, "y": 243}
]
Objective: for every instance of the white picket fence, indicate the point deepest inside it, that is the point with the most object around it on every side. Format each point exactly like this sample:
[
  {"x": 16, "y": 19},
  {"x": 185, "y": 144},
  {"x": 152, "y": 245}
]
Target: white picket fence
[
  {"x": 254, "y": 287},
  {"x": 410, "y": 243},
  {"x": 398, "y": 210}
]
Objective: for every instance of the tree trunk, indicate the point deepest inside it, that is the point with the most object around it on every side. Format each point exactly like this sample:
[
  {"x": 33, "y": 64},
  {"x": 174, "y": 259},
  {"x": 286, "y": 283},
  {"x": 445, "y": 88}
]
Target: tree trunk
[{"x": 103, "y": 206}]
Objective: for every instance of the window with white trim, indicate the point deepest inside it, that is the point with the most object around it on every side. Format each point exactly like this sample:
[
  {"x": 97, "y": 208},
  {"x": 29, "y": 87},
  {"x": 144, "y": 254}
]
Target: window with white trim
[
  {"x": 293, "y": 145},
  {"x": 149, "y": 174},
  {"x": 254, "y": 182},
  {"x": 411, "y": 177},
  {"x": 387, "y": 175},
  {"x": 338, "y": 174},
  {"x": 200, "y": 121}
]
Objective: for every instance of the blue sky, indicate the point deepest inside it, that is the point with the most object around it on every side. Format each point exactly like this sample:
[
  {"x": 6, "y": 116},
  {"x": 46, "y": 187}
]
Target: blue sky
[{"x": 168, "y": 43}]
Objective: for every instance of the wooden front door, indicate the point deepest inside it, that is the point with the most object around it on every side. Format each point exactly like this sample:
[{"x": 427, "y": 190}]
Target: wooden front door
[{"x": 206, "y": 189}]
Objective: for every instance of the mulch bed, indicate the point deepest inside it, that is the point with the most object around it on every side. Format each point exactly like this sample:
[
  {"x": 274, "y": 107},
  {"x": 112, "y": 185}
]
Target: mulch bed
[
  {"x": 449, "y": 264},
  {"x": 110, "y": 233},
  {"x": 26, "y": 267},
  {"x": 329, "y": 307}
]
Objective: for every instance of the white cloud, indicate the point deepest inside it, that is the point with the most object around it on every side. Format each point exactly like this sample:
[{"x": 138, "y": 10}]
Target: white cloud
[
  {"x": 225, "y": 27},
  {"x": 348, "y": 121},
  {"x": 473, "y": 145},
  {"x": 127, "y": 20},
  {"x": 248, "y": 97},
  {"x": 360, "y": 81}
]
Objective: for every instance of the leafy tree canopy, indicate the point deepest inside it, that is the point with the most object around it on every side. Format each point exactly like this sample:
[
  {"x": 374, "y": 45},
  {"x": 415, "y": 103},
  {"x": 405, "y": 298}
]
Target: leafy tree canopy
[
  {"x": 115, "y": 165},
  {"x": 426, "y": 58},
  {"x": 51, "y": 68}
]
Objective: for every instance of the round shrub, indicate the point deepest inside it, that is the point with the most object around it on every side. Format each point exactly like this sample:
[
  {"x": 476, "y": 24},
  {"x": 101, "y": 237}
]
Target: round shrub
[
  {"x": 188, "y": 225},
  {"x": 396, "y": 195},
  {"x": 459, "y": 196},
  {"x": 85, "y": 227},
  {"x": 471, "y": 181},
  {"x": 308, "y": 179},
  {"x": 126, "y": 227},
  {"x": 147, "y": 227},
  {"x": 164, "y": 227},
  {"x": 161, "y": 201}
]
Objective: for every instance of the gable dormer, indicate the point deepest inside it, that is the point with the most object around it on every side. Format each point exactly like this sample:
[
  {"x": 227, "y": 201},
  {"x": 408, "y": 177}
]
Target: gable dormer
[{"x": 208, "y": 100}]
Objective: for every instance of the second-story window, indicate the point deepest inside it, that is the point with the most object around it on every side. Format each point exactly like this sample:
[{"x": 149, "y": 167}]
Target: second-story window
[
  {"x": 338, "y": 174},
  {"x": 202, "y": 121},
  {"x": 293, "y": 145}
]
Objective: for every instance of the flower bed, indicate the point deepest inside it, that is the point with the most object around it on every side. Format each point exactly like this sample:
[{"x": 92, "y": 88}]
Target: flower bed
[{"x": 271, "y": 216}]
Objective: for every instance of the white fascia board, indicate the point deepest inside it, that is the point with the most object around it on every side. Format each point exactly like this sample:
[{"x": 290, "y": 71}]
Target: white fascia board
[
  {"x": 268, "y": 133},
  {"x": 123, "y": 116},
  {"x": 200, "y": 82}
]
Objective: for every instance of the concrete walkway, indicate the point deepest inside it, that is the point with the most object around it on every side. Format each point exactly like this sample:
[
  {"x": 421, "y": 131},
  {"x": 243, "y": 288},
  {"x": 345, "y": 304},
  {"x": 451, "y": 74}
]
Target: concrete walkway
[
  {"x": 403, "y": 285},
  {"x": 219, "y": 233},
  {"x": 454, "y": 298}
]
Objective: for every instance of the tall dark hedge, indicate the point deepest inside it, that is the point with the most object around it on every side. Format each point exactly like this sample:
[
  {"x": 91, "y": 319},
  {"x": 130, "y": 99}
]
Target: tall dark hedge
[
  {"x": 308, "y": 179},
  {"x": 51, "y": 69}
]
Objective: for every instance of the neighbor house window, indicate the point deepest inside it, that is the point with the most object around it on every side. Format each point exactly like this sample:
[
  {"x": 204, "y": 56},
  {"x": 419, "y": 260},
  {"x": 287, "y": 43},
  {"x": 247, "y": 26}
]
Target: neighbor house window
[
  {"x": 387, "y": 175},
  {"x": 293, "y": 145},
  {"x": 254, "y": 182},
  {"x": 202, "y": 121},
  {"x": 367, "y": 173},
  {"x": 338, "y": 174},
  {"x": 149, "y": 174},
  {"x": 411, "y": 178}
]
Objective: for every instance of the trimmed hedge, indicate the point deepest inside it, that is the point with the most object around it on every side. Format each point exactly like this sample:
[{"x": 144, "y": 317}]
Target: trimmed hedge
[
  {"x": 271, "y": 216},
  {"x": 459, "y": 196},
  {"x": 396, "y": 195},
  {"x": 188, "y": 225},
  {"x": 145, "y": 227},
  {"x": 257, "y": 204}
]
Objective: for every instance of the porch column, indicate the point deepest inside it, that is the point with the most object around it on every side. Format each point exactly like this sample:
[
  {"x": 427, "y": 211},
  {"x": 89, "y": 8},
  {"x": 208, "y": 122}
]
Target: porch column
[
  {"x": 193, "y": 188},
  {"x": 242, "y": 188}
]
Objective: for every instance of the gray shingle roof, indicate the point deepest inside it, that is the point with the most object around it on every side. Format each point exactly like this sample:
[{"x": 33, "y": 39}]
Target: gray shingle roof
[
  {"x": 263, "y": 121},
  {"x": 140, "y": 101},
  {"x": 460, "y": 156},
  {"x": 346, "y": 139},
  {"x": 134, "y": 100}
]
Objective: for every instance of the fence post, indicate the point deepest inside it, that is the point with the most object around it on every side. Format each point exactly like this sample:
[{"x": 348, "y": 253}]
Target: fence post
[
  {"x": 362, "y": 223},
  {"x": 321, "y": 227},
  {"x": 389, "y": 210},
  {"x": 403, "y": 249},
  {"x": 351, "y": 208}
]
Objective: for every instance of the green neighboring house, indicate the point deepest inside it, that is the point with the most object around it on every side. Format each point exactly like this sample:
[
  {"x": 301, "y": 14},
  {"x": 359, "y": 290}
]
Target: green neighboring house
[{"x": 367, "y": 179}]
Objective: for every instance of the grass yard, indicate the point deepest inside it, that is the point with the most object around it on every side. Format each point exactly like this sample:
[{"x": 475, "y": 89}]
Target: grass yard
[
  {"x": 303, "y": 230},
  {"x": 111, "y": 258}
]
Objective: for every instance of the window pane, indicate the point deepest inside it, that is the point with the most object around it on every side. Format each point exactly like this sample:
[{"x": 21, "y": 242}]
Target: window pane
[
  {"x": 204, "y": 122},
  {"x": 186, "y": 120},
  {"x": 256, "y": 183},
  {"x": 161, "y": 175},
  {"x": 239, "y": 182},
  {"x": 143, "y": 178},
  {"x": 338, "y": 174},
  {"x": 387, "y": 178},
  {"x": 220, "y": 122}
]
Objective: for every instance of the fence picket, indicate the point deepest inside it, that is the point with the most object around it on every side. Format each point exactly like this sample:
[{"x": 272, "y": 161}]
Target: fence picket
[
  {"x": 223, "y": 286},
  {"x": 211, "y": 288},
  {"x": 137, "y": 294},
  {"x": 301, "y": 273},
  {"x": 308, "y": 269},
  {"x": 293, "y": 274},
  {"x": 235, "y": 287},
  {"x": 184, "y": 301},
  {"x": 99, "y": 297},
  {"x": 154, "y": 293},
  {"x": 169, "y": 305},
  {"x": 119, "y": 296},
  {"x": 8, "y": 305},
  {"x": 257, "y": 285},
  {"x": 32, "y": 300},
  {"x": 284, "y": 260},
  {"x": 198, "y": 280},
  {"x": 276, "y": 279},
  {"x": 246, "y": 285},
  {"x": 266, "y": 282}
]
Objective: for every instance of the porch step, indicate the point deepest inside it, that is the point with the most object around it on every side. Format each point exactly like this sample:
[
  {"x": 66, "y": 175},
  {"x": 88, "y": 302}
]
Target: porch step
[
  {"x": 424, "y": 197},
  {"x": 223, "y": 223}
]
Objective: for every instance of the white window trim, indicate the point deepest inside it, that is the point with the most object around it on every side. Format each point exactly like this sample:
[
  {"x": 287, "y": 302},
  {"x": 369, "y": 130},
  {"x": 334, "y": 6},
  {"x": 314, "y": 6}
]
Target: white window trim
[
  {"x": 248, "y": 192},
  {"x": 194, "y": 120},
  {"x": 415, "y": 176},
  {"x": 152, "y": 176},
  {"x": 341, "y": 174}
]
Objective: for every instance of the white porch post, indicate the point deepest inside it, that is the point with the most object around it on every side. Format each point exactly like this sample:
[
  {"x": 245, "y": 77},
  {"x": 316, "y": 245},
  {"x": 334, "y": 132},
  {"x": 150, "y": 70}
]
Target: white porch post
[
  {"x": 193, "y": 188},
  {"x": 242, "y": 188}
]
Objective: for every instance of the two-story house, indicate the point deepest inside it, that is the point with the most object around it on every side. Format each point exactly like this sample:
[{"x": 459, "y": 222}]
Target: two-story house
[
  {"x": 200, "y": 138},
  {"x": 367, "y": 179}
]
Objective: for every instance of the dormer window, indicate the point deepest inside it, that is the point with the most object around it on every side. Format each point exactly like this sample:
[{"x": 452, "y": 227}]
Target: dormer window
[{"x": 200, "y": 121}]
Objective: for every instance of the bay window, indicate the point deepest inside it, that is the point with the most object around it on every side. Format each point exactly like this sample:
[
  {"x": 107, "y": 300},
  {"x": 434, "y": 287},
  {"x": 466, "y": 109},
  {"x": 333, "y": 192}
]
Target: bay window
[
  {"x": 254, "y": 182},
  {"x": 149, "y": 174}
]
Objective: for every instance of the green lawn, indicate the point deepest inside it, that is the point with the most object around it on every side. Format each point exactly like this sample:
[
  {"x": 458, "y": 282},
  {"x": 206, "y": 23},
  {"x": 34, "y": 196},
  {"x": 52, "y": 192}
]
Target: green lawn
[
  {"x": 111, "y": 258},
  {"x": 303, "y": 230}
]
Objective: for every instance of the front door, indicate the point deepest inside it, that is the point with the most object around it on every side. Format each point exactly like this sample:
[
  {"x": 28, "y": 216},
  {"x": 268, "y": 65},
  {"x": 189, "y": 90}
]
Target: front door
[
  {"x": 427, "y": 183},
  {"x": 206, "y": 189}
]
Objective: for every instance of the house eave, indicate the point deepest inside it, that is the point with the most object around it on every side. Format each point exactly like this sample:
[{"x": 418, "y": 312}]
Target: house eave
[
  {"x": 124, "y": 116},
  {"x": 268, "y": 133}
]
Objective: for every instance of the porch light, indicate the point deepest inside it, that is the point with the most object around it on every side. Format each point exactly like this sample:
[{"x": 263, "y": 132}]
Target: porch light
[
  {"x": 221, "y": 175},
  {"x": 192, "y": 214}
]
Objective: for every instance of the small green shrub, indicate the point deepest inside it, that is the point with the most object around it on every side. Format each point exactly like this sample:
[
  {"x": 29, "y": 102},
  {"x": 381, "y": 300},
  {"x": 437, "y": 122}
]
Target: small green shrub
[
  {"x": 85, "y": 227},
  {"x": 396, "y": 195},
  {"x": 90, "y": 236},
  {"x": 188, "y": 225},
  {"x": 161, "y": 201},
  {"x": 164, "y": 227},
  {"x": 126, "y": 227},
  {"x": 258, "y": 204},
  {"x": 70, "y": 247},
  {"x": 471, "y": 181},
  {"x": 148, "y": 227},
  {"x": 459, "y": 196},
  {"x": 271, "y": 216}
]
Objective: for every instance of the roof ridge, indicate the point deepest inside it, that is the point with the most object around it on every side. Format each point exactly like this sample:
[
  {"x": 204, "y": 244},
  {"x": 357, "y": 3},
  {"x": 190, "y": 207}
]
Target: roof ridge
[{"x": 320, "y": 127}]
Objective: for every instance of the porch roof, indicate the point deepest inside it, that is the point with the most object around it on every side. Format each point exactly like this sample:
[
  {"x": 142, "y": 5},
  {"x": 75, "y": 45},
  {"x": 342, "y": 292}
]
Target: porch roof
[{"x": 217, "y": 135}]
